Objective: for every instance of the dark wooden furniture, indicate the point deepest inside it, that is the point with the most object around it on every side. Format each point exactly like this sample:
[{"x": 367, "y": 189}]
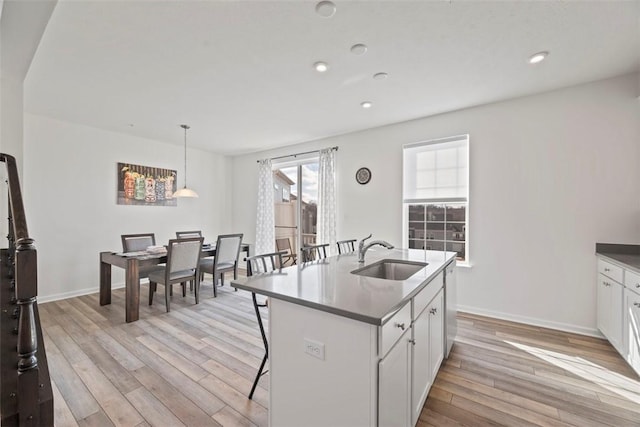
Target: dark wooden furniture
[
  {"x": 25, "y": 385},
  {"x": 226, "y": 259},
  {"x": 255, "y": 265},
  {"x": 183, "y": 264},
  {"x": 284, "y": 244},
  {"x": 313, "y": 252},
  {"x": 346, "y": 246},
  {"x": 132, "y": 266}
]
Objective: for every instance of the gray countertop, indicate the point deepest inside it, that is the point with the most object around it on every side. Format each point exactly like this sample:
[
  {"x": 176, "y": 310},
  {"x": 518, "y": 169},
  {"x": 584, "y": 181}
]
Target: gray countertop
[
  {"x": 328, "y": 284},
  {"x": 628, "y": 255}
]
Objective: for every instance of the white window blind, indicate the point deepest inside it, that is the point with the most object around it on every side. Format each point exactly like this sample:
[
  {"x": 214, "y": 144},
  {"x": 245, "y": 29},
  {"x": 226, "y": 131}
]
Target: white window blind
[{"x": 436, "y": 170}]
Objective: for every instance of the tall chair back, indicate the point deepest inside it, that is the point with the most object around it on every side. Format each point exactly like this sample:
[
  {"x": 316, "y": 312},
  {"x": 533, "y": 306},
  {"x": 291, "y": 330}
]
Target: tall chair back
[
  {"x": 183, "y": 255},
  {"x": 264, "y": 263},
  {"x": 228, "y": 248},
  {"x": 310, "y": 253},
  {"x": 183, "y": 260},
  {"x": 226, "y": 259},
  {"x": 137, "y": 242},
  {"x": 187, "y": 234},
  {"x": 346, "y": 246}
]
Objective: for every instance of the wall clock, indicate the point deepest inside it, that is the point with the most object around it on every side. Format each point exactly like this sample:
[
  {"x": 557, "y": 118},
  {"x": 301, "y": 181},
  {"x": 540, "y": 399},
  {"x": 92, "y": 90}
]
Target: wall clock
[{"x": 363, "y": 176}]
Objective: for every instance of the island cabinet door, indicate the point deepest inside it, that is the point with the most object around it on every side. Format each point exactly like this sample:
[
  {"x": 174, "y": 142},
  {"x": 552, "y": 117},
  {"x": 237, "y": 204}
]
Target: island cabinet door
[
  {"x": 393, "y": 386},
  {"x": 421, "y": 377},
  {"x": 632, "y": 328},
  {"x": 436, "y": 331}
]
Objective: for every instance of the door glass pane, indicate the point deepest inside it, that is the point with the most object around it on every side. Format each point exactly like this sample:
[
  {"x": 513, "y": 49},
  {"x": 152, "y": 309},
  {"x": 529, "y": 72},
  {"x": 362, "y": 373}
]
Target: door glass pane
[
  {"x": 285, "y": 203},
  {"x": 309, "y": 203},
  {"x": 295, "y": 200}
]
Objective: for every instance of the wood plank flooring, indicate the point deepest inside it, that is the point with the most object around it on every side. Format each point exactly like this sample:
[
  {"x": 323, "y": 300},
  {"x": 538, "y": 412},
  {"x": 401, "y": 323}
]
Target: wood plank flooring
[{"x": 195, "y": 365}]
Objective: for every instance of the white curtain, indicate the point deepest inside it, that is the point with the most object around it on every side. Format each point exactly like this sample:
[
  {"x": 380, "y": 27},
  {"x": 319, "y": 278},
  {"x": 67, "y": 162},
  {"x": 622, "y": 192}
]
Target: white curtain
[
  {"x": 265, "y": 219},
  {"x": 327, "y": 199}
]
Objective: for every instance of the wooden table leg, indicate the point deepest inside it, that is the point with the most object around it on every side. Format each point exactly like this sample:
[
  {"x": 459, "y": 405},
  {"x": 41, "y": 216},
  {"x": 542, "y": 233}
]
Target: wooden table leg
[
  {"x": 105, "y": 282},
  {"x": 132, "y": 291}
]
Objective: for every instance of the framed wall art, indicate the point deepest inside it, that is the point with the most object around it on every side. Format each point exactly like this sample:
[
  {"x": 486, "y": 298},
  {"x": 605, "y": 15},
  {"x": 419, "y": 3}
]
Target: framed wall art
[{"x": 146, "y": 185}]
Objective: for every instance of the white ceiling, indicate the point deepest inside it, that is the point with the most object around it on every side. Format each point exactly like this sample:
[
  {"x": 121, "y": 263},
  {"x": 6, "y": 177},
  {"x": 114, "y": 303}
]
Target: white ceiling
[{"x": 240, "y": 72}]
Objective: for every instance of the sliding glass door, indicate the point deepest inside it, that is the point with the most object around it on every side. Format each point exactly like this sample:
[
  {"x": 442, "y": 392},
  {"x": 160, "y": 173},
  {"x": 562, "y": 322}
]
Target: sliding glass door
[{"x": 296, "y": 199}]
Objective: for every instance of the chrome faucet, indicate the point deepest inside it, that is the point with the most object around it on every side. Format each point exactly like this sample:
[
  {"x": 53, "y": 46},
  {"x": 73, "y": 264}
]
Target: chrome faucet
[{"x": 362, "y": 249}]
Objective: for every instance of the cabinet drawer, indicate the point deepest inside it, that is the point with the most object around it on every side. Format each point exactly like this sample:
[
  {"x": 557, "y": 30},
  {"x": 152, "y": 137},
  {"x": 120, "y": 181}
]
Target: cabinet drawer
[
  {"x": 610, "y": 270},
  {"x": 632, "y": 280},
  {"x": 394, "y": 328},
  {"x": 424, "y": 297}
]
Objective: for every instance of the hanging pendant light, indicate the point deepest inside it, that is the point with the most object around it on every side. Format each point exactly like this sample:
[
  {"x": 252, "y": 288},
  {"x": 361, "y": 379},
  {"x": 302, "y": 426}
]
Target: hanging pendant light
[{"x": 184, "y": 191}]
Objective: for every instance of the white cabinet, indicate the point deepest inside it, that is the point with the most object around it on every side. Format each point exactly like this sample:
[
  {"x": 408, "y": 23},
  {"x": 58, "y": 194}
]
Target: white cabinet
[
  {"x": 394, "y": 391},
  {"x": 436, "y": 332},
  {"x": 609, "y": 303},
  {"x": 632, "y": 328},
  {"x": 427, "y": 352},
  {"x": 618, "y": 298},
  {"x": 406, "y": 373},
  {"x": 421, "y": 375}
]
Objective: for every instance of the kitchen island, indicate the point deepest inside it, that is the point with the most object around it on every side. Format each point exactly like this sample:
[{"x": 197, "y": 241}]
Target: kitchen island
[{"x": 352, "y": 350}]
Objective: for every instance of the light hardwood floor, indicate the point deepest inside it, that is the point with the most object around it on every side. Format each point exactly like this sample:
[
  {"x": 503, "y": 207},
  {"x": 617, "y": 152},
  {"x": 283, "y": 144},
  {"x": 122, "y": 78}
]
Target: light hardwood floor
[{"x": 195, "y": 365}]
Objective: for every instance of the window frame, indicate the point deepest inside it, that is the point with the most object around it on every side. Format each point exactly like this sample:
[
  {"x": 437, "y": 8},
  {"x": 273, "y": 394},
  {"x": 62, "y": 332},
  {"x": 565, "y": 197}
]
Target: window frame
[{"x": 446, "y": 201}]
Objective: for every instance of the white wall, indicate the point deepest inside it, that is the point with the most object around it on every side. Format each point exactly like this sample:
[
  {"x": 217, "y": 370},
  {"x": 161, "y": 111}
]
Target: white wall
[
  {"x": 70, "y": 199},
  {"x": 551, "y": 175}
]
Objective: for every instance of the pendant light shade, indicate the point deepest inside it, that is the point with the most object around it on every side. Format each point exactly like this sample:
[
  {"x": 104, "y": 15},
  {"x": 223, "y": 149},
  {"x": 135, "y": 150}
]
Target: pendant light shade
[{"x": 184, "y": 191}]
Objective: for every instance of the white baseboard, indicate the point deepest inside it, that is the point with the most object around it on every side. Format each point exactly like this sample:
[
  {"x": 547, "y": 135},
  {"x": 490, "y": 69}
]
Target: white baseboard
[
  {"x": 533, "y": 321},
  {"x": 76, "y": 293}
]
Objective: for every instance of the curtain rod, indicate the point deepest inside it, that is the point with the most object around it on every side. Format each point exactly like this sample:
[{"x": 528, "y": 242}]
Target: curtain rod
[{"x": 300, "y": 154}]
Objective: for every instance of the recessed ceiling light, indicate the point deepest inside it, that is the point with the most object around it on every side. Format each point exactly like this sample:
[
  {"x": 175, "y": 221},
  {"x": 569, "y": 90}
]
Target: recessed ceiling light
[
  {"x": 380, "y": 76},
  {"x": 326, "y": 9},
  {"x": 538, "y": 57},
  {"x": 358, "y": 49},
  {"x": 366, "y": 104},
  {"x": 320, "y": 66}
]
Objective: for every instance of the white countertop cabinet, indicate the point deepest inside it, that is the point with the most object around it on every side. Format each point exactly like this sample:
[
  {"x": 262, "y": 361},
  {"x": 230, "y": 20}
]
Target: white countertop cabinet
[
  {"x": 618, "y": 305},
  {"x": 609, "y": 301},
  {"x": 632, "y": 328}
]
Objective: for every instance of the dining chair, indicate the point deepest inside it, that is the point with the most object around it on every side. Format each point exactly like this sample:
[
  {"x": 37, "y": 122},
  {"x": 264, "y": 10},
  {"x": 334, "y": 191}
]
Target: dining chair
[
  {"x": 346, "y": 246},
  {"x": 183, "y": 261},
  {"x": 284, "y": 244},
  {"x": 140, "y": 242},
  {"x": 226, "y": 259},
  {"x": 312, "y": 252},
  {"x": 137, "y": 242},
  {"x": 187, "y": 234},
  {"x": 262, "y": 264}
]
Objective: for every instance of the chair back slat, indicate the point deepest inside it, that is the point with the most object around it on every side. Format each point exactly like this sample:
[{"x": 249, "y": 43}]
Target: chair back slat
[
  {"x": 184, "y": 254},
  {"x": 188, "y": 234},
  {"x": 137, "y": 242}
]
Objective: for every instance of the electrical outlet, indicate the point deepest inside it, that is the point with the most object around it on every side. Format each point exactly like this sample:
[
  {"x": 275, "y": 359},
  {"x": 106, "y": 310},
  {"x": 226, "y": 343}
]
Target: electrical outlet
[{"x": 314, "y": 348}]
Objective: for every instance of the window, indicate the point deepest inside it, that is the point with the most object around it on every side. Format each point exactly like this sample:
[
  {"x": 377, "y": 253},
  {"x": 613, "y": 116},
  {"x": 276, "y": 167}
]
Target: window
[{"x": 436, "y": 195}]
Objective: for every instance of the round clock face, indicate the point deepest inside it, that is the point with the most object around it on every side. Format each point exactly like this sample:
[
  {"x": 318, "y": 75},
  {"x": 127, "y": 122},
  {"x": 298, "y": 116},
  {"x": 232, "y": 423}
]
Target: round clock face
[{"x": 363, "y": 175}]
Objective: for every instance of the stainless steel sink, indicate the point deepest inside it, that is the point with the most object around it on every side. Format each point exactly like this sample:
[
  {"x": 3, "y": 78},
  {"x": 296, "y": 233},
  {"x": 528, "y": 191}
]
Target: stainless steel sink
[{"x": 391, "y": 269}]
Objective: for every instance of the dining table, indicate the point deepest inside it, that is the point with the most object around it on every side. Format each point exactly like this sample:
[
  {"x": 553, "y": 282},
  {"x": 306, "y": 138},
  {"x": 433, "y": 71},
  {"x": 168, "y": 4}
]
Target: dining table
[{"x": 131, "y": 263}]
